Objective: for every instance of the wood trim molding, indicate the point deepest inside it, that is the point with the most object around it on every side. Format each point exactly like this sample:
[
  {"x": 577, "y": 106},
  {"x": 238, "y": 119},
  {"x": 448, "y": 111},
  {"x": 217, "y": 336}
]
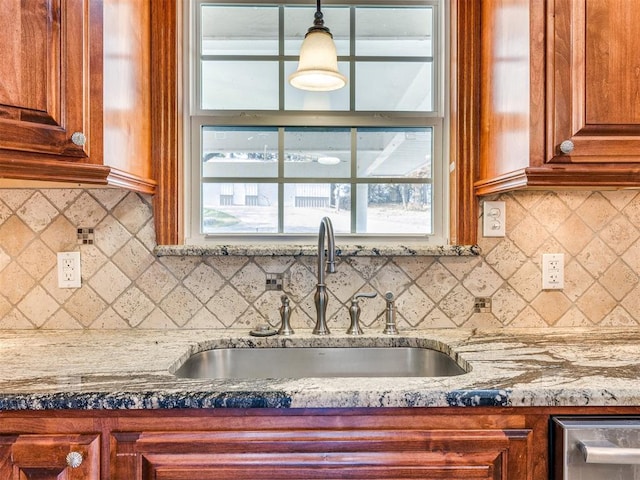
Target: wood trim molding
[
  {"x": 54, "y": 171},
  {"x": 465, "y": 118},
  {"x": 567, "y": 176},
  {"x": 118, "y": 178},
  {"x": 511, "y": 181},
  {"x": 165, "y": 120}
]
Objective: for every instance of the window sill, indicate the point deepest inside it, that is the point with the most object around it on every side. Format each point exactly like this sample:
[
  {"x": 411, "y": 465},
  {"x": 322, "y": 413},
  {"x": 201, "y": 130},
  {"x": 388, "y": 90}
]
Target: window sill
[{"x": 273, "y": 250}]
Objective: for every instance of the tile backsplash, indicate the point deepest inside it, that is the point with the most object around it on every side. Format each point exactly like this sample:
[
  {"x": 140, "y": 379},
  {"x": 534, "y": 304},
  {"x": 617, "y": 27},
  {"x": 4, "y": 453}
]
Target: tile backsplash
[{"x": 125, "y": 286}]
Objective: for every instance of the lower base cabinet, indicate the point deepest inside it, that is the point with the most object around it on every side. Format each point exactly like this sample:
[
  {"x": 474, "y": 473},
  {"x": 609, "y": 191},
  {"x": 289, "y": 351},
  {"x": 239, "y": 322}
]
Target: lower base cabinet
[
  {"x": 323, "y": 454},
  {"x": 384, "y": 443},
  {"x": 323, "y": 445},
  {"x": 50, "y": 457}
]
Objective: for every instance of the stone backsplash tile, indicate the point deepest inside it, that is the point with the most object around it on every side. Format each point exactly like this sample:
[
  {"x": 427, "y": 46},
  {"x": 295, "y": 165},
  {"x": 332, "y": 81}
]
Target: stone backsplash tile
[{"x": 125, "y": 286}]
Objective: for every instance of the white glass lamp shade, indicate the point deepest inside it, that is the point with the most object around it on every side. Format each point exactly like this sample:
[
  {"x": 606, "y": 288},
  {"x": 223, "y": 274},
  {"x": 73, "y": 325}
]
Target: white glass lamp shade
[{"x": 318, "y": 65}]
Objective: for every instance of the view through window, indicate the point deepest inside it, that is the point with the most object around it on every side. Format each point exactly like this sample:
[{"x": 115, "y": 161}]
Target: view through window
[{"x": 273, "y": 160}]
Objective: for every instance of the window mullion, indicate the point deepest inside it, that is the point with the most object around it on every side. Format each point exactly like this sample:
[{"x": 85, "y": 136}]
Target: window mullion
[
  {"x": 281, "y": 57},
  {"x": 281, "y": 180},
  {"x": 352, "y": 61},
  {"x": 353, "y": 182}
]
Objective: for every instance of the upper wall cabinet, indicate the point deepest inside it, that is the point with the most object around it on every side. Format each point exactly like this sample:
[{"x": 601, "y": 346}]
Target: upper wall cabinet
[
  {"x": 560, "y": 94},
  {"x": 75, "y": 93}
]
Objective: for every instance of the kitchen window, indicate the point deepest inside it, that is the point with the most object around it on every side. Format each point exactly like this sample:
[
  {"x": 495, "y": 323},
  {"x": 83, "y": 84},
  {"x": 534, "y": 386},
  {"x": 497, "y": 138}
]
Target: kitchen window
[{"x": 269, "y": 161}]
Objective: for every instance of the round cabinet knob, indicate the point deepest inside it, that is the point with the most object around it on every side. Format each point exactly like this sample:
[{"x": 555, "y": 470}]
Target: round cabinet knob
[
  {"x": 79, "y": 138},
  {"x": 74, "y": 459},
  {"x": 567, "y": 146}
]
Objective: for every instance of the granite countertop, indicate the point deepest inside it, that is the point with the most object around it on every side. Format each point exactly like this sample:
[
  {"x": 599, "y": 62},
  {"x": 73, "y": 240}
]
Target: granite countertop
[
  {"x": 133, "y": 370},
  {"x": 296, "y": 250}
]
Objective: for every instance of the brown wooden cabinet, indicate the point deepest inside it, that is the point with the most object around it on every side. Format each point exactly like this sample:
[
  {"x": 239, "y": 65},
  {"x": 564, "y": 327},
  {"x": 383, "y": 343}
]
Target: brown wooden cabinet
[
  {"x": 43, "y": 448},
  {"x": 594, "y": 81},
  {"x": 560, "y": 94},
  {"x": 324, "y": 453},
  {"x": 75, "y": 92},
  {"x": 487, "y": 443},
  {"x": 44, "y": 457},
  {"x": 325, "y": 445}
]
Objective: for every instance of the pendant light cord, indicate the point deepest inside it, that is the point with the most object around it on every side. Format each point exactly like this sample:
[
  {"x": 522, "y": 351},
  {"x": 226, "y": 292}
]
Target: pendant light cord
[{"x": 318, "y": 20}]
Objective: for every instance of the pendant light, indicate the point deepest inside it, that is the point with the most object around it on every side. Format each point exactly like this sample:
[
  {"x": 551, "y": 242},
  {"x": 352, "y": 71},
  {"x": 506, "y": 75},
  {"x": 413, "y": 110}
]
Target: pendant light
[{"x": 318, "y": 65}]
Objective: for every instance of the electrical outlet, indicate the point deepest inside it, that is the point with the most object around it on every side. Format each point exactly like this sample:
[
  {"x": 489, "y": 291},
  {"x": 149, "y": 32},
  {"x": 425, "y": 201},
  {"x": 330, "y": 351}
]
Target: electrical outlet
[
  {"x": 552, "y": 271},
  {"x": 494, "y": 219},
  {"x": 69, "y": 269}
]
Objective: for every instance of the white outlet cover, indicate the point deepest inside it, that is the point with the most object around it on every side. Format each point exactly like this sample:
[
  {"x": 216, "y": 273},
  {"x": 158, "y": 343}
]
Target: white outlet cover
[
  {"x": 494, "y": 219},
  {"x": 552, "y": 271},
  {"x": 69, "y": 275}
]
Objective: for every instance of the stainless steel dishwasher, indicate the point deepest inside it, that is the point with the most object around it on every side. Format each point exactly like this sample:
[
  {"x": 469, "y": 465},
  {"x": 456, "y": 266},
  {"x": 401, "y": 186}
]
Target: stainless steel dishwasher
[{"x": 596, "y": 448}]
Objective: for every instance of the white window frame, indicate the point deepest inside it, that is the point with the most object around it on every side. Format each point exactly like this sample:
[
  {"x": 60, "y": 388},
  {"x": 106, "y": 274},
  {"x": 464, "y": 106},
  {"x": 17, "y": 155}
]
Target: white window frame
[{"x": 195, "y": 118}]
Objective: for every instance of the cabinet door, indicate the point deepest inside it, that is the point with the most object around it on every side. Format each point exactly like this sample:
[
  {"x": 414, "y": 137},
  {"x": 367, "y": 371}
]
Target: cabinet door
[
  {"x": 44, "y": 457},
  {"x": 594, "y": 85},
  {"x": 44, "y": 93},
  {"x": 321, "y": 454}
]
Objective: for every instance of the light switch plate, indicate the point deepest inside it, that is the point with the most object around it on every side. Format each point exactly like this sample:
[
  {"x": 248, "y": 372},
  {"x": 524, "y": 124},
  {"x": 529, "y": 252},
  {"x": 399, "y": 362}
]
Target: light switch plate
[{"x": 494, "y": 219}]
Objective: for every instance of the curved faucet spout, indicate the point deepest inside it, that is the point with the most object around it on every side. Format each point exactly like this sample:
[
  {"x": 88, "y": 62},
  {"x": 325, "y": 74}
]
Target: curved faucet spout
[{"x": 324, "y": 261}]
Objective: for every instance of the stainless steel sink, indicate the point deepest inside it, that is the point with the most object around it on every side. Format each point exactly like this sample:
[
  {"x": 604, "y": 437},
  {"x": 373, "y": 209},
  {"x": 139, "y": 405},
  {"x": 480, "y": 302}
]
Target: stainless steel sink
[{"x": 303, "y": 362}]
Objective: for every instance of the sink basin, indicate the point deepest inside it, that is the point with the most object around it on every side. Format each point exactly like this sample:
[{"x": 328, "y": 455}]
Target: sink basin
[{"x": 303, "y": 362}]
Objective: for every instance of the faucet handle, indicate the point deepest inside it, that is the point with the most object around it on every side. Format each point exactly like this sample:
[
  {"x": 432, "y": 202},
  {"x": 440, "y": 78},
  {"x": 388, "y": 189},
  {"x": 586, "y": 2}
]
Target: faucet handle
[
  {"x": 354, "y": 312},
  {"x": 364, "y": 295},
  {"x": 285, "y": 316}
]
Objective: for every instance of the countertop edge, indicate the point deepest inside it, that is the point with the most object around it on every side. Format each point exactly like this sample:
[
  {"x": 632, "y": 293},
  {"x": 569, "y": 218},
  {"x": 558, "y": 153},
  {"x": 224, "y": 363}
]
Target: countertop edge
[{"x": 283, "y": 249}]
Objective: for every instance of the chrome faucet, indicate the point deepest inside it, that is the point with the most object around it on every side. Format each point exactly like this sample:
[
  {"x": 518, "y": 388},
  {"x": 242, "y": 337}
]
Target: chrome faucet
[{"x": 321, "y": 298}]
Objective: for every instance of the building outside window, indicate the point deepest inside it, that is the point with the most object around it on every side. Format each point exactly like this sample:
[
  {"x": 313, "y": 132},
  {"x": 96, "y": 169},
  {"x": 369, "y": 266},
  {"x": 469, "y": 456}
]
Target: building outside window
[{"x": 269, "y": 160}]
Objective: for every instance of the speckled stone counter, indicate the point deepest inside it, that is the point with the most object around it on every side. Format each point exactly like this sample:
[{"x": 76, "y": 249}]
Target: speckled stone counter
[
  {"x": 133, "y": 370},
  {"x": 270, "y": 250}
]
